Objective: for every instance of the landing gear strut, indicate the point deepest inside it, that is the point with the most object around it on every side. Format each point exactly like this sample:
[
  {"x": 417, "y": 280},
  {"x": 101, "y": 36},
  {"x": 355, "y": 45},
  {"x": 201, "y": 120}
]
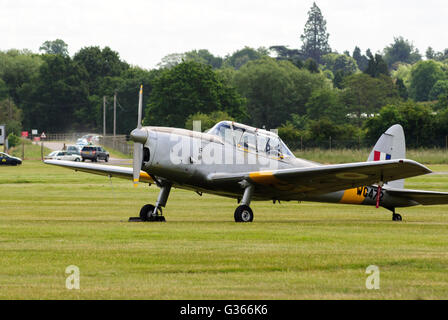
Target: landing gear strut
[
  {"x": 396, "y": 216},
  {"x": 244, "y": 213},
  {"x": 153, "y": 213}
]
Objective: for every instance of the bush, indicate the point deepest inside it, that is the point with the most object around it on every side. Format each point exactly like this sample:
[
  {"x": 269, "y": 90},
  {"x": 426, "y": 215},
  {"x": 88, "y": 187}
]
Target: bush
[{"x": 13, "y": 140}]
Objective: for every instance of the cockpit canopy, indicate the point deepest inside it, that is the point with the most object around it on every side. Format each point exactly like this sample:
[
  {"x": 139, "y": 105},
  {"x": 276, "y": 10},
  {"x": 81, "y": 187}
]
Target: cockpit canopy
[{"x": 251, "y": 139}]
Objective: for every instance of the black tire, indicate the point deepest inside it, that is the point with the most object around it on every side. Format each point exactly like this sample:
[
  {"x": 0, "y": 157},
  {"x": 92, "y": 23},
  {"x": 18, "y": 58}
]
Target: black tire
[
  {"x": 397, "y": 217},
  {"x": 83, "y": 159},
  {"x": 244, "y": 214},
  {"x": 146, "y": 211},
  {"x": 107, "y": 159},
  {"x": 77, "y": 160}
]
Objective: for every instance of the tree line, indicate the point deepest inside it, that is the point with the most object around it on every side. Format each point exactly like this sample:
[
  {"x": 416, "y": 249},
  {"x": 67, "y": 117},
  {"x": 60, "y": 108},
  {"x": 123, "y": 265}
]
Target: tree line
[{"x": 311, "y": 94}]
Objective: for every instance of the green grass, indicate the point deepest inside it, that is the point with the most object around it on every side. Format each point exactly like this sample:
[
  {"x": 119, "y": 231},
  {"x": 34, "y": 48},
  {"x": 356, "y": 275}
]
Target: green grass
[
  {"x": 117, "y": 154},
  {"x": 425, "y": 156},
  {"x": 31, "y": 151},
  {"x": 52, "y": 218}
]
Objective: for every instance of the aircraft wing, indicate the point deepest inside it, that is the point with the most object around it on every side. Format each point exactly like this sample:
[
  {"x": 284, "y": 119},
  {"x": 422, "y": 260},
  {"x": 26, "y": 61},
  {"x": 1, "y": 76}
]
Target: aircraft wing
[
  {"x": 420, "y": 196},
  {"x": 326, "y": 178},
  {"x": 104, "y": 170}
]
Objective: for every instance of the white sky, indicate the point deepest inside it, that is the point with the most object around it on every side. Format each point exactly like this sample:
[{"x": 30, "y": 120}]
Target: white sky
[{"x": 144, "y": 31}]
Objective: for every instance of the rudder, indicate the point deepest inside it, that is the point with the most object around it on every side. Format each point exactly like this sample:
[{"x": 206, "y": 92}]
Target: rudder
[{"x": 391, "y": 145}]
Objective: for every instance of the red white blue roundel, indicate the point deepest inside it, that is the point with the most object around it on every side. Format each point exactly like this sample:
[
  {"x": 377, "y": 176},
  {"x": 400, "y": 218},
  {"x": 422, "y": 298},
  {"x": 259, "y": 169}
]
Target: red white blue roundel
[{"x": 377, "y": 156}]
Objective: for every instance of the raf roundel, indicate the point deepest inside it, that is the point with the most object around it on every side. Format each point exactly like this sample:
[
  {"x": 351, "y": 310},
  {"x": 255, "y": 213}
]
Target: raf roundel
[{"x": 351, "y": 176}]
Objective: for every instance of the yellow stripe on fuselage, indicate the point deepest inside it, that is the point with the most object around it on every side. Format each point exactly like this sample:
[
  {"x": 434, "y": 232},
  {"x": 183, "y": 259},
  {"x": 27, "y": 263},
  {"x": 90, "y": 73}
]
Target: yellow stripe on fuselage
[
  {"x": 351, "y": 196},
  {"x": 263, "y": 177}
]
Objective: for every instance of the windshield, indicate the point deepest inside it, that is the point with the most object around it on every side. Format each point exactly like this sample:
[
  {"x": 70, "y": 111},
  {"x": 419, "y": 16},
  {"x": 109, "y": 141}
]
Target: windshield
[{"x": 251, "y": 139}]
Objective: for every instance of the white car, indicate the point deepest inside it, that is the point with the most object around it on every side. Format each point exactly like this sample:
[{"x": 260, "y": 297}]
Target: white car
[
  {"x": 63, "y": 155},
  {"x": 82, "y": 142}
]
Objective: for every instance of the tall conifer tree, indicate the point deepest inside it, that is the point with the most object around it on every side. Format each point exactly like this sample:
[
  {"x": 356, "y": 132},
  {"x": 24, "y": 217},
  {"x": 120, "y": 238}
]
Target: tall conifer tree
[{"x": 315, "y": 36}]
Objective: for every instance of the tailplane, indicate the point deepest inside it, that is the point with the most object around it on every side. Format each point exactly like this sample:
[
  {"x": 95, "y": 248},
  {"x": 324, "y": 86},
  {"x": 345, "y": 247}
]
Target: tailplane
[{"x": 391, "y": 145}]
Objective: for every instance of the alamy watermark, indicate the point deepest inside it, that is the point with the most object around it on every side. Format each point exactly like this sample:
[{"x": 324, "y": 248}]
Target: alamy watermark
[
  {"x": 241, "y": 147},
  {"x": 373, "y": 280},
  {"x": 73, "y": 280}
]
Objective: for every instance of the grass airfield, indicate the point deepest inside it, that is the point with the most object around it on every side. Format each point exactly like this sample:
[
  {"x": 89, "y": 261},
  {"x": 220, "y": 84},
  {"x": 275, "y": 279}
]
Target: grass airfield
[{"x": 53, "y": 217}]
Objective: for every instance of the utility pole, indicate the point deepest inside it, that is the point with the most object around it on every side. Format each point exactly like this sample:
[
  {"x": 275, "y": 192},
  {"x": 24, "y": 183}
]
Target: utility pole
[
  {"x": 115, "y": 113},
  {"x": 115, "y": 116},
  {"x": 104, "y": 117}
]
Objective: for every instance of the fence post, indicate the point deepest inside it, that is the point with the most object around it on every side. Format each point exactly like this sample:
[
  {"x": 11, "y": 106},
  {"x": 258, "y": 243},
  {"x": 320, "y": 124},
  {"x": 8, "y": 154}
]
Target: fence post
[
  {"x": 301, "y": 143},
  {"x": 23, "y": 150},
  {"x": 42, "y": 151},
  {"x": 330, "y": 143}
]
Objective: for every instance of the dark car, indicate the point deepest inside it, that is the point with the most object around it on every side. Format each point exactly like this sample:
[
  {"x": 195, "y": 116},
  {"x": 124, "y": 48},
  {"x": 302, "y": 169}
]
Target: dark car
[
  {"x": 94, "y": 153},
  {"x": 7, "y": 159}
]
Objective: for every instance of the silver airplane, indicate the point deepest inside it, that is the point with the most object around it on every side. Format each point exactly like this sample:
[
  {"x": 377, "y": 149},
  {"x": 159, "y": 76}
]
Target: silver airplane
[{"x": 246, "y": 163}]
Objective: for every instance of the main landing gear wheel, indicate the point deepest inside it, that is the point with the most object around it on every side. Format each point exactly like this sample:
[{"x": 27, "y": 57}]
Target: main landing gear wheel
[
  {"x": 244, "y": 214},
  {"x": 147, "y": 213},
  {"x": 396, "y": 217}
]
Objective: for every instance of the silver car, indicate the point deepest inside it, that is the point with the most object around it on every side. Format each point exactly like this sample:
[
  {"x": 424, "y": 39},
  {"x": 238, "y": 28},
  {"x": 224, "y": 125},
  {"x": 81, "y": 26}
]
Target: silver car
[{"x": 63, "y": 155}]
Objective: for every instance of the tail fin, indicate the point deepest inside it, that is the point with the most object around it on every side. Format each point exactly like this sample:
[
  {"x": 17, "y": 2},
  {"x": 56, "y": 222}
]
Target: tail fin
[{"x": 391, "y": 145}]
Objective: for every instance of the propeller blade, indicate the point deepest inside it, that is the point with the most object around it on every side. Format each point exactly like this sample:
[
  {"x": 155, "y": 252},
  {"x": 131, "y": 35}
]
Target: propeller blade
[
  {"x": 139, "y": 137},
  {"x": 140, "y": 108},
  {"x": 137, "y": 162}
]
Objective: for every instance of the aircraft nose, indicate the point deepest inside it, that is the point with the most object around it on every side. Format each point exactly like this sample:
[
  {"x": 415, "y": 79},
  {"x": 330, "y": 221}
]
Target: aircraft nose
[{"x": 139, "y": 135}]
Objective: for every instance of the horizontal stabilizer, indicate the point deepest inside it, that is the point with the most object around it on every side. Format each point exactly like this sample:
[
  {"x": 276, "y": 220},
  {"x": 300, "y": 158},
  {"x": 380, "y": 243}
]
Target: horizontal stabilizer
[{"x": 420, "y": 196}]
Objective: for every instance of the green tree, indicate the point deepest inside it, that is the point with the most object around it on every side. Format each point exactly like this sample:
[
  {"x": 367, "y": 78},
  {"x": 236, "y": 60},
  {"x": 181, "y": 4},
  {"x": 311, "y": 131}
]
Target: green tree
[
  {"x": 311, "y": 65},
  {"x": 315, "y": 36},
  {"x": 243, "y": 56},
  {"x": 441, "y": 123},
  {"x": 292, "y": 55},
  {"x": 171, "y": 60},
  {"x": 430, "y": 53},
  {"x": 361, "y": 60},
  {"x": 127, "y": 88},
  {"x": 326, "y": 102},
  {"x": 434, "y": 55},
  {"x": 57, "y": 46},
  {"x": 401, "y": 50},
  {"x": 439, "y": 89},
  {"x": 340, "y": 62},
  {"x": 4, "y": 92},
  {"x": 99, "y": 63},
  {"x": 417, "y": 119},
  {"x": 341, "y": 65},
  {"x": 51, "y": 98},
  {"x": 364, "y": 95},
  {"x": 189, "y": 88},
  {"x": 424, "y": 76},
  {"x": 376, "y": 66},
  {"x": 402, "y": 90},
  {"x": 13, "y": 140},
  {"x": 290, "y": 134},
  {"x": 207, "y": 120},
  {"x": 16, "y": 69},
  {"x": 275, "y": 89},
  {"x": 404, "y": 73},
  {"x": 204, "y": 56},
  {"x": 323, "y": 129},
  {"x": 11, "y": 116}
]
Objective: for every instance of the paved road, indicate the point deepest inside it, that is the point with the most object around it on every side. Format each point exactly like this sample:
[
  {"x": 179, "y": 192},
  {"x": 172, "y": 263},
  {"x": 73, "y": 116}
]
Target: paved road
[{"x": 56, "y": 145}]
